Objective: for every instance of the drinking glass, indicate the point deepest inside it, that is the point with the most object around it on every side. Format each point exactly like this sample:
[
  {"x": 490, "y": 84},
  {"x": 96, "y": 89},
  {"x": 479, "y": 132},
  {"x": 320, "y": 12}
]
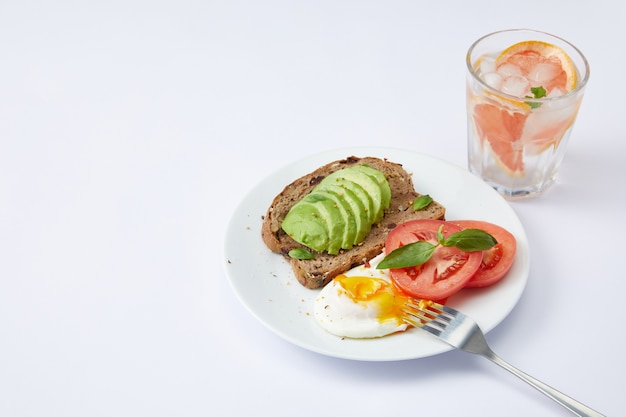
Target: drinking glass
[{"x": 524, "y": 89}]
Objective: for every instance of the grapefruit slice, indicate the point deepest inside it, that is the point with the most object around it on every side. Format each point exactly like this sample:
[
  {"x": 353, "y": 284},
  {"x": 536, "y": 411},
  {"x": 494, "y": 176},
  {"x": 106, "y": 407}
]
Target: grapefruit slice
[
  {"x": 543, "y": 64},
  {"x": 502, "y": 129}
]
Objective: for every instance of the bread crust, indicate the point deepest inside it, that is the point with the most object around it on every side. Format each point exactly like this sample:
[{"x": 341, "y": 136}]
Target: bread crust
[{"x": 316, "y": 273}]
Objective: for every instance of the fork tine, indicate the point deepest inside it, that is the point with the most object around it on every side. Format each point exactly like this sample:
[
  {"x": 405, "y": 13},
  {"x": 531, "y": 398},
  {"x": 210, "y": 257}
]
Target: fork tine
[
  {"x": 427, "y": 310},
  {"x": 433, "y": 311},
  {"x": 428, "y": 315},
  {"x": 450, "y": 325},
  {"x": 433, "y": 317}
]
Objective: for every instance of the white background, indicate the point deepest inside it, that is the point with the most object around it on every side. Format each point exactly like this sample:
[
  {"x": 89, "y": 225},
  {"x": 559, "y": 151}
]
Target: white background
[{"x": 130, "y": 130}]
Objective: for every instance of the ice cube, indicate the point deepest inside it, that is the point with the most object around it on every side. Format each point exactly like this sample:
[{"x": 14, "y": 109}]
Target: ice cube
[
  {"x": 556, "y": 91},
  {"x": 515, "y": 86},
  {"x": 561, "y": 103},
  {"x": 543, "y": 72},
  {"x": 493, "y": 80},
  {"x": 487, "y": 65},
  {"x": 544, "y": 126},
  {"x": 508, "y": 70}
]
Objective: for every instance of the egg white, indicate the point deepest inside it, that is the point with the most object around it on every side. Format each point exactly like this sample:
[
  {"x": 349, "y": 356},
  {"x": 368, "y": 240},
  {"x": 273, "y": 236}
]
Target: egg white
[{"x": 343, "y": 316}]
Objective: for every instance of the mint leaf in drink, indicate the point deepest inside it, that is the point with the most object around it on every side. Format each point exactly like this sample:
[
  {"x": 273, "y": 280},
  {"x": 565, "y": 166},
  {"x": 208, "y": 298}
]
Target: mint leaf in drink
[
  {"x": 412, "y": 254},
  {"x": 533, "y": 104},
  {"x": 300, "y": 253},
  {"x": 470, "y": 240},
  {"x": 538, "y": 92},
  {"x": 422, "y": 202}
]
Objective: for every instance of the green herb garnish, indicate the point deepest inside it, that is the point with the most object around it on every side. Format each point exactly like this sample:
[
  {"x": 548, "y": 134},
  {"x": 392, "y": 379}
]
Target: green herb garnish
[
  {"x": 299, "y": 253},
  {"x": 417, "y": 253},
  {"x": 413, "y": 254},
  {"x": 422, "y": 202},
  {"x": 538, "y": 92},
  {"x": 470, "y": 240}
]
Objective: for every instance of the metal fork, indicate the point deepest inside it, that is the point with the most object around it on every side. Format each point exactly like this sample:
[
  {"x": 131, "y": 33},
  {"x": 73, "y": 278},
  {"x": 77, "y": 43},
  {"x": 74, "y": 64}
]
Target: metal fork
[{"x": 460, "y": 331}]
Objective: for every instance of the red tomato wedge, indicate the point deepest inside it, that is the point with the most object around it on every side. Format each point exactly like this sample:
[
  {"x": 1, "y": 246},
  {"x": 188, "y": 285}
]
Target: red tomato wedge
[
  {"x": 445, "y": 273},
  {"x": 498, "y": 260}
]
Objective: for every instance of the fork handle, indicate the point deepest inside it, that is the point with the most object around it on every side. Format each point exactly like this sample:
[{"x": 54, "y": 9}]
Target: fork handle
[{"x": 571, "y": 404}]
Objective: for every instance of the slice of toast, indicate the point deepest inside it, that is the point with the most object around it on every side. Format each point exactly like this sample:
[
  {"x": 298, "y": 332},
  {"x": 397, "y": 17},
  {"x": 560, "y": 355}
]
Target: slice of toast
[{"x": 316, "y": 273}]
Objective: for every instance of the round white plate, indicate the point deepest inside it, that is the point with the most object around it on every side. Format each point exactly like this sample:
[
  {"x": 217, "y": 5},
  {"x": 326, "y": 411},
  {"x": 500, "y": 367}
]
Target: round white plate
[{"x": 266, "y": 286}]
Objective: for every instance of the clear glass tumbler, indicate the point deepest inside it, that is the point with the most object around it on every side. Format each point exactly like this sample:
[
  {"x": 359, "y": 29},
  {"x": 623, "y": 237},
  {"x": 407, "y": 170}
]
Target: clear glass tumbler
[{"x": 524, "y": 89}]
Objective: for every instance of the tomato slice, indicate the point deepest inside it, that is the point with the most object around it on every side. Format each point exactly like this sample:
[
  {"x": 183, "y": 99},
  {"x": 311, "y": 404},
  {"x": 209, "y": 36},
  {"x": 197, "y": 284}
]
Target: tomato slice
[
  {"x": 445, "y": 273},
  {"x": 498, "y": 260}
]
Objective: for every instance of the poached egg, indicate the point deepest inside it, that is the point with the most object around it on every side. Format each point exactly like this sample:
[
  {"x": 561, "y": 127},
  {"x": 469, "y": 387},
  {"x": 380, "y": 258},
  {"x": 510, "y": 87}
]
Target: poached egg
[{"x": 362, "y": 303}]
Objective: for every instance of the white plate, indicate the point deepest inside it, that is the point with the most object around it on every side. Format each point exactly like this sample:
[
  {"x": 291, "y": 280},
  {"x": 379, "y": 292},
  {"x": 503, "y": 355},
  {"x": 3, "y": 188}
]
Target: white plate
[{"x": 265, "y": 284}]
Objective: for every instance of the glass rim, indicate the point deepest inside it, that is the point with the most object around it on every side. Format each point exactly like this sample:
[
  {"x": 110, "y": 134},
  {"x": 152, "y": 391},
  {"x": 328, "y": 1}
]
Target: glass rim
[{"x": 579, "y": 86}]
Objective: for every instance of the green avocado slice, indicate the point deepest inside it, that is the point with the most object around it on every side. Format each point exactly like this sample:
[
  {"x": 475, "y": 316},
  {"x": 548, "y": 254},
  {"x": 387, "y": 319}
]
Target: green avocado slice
[
  {"x": 363, "y": 182},
  {"x": 305, "y": 225},
  {"x": 382, "y": 182},
  {"x": 360, "y": 194},
  {"x": 332, "y": 216},
  {"x": 351, "y": 208}
]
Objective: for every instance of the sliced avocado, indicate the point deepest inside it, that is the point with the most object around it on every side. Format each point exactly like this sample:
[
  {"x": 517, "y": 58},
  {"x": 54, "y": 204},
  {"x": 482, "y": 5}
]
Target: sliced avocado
[
  {"x": 332, "y": 216},
  {"x": 340, "y": 211},
  {"x": 382, "y": 181},
  {"x": 305, "y": 225},
  {"x": 369, "y": 185},
  {"x": 347, "y": 209},
  {"x": 361, "y": 212},
  {"x": 360, "y": 193}
]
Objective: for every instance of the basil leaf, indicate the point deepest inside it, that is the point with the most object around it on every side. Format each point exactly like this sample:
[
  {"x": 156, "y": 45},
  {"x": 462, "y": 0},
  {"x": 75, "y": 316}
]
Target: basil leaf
[
  {"x": 470, "y": 240},
  {"x": 412, "y": 254},
  {"x": 422, "y": 202},
  {"x": 300, "y": 253}
]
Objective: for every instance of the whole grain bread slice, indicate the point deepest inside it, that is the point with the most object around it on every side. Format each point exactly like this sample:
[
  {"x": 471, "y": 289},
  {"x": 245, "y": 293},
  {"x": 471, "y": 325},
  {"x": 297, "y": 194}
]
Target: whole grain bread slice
[{"x": 317, "y": 272}]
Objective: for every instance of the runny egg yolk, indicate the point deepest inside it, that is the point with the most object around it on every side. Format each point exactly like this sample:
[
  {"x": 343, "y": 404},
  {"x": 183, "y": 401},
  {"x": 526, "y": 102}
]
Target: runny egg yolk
[
  {"x": 363, "y": 303},
  {"x": 373, "y": 291}
]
